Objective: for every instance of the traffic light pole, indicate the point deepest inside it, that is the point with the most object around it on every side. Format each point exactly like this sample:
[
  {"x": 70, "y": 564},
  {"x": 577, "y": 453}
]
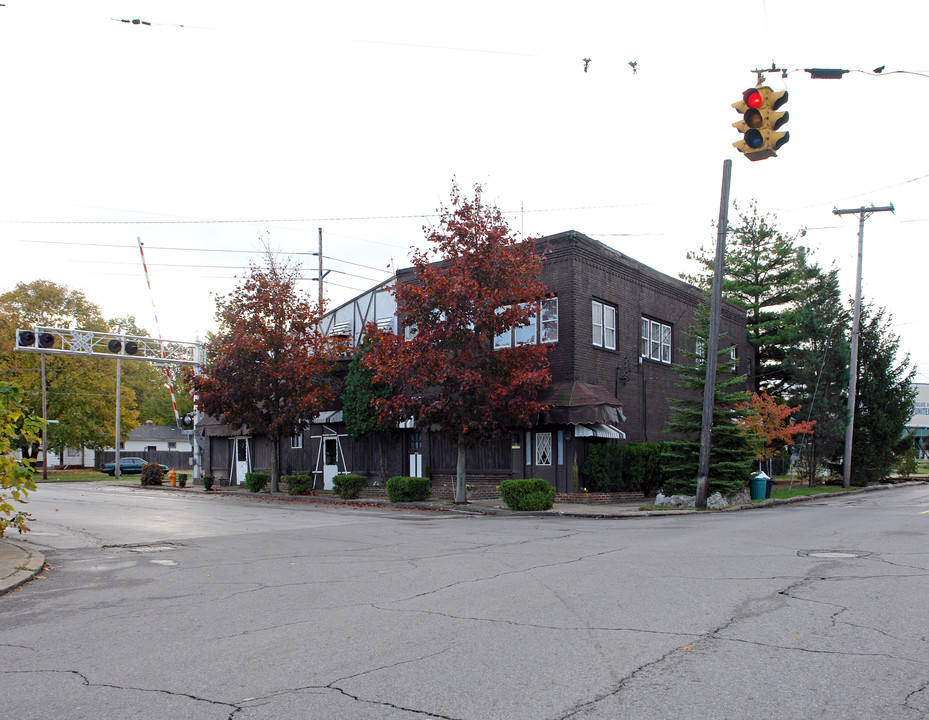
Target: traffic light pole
[
  {"x": 863, "y": 214},
  {"x": 712, "y": 340}
]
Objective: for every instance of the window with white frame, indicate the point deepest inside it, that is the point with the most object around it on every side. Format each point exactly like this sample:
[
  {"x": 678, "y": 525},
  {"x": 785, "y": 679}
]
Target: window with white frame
[
  {"x": 541, "y": 328},
  {"x": 655, "y": 340},
  {"x": 296, "y": 442},
  {"x": 543, "y": 448},
  {"x": 603, "y": 318}
]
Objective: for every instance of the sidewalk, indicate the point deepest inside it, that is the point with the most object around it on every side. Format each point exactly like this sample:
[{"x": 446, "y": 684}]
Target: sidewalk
[{"x": 19, "y": 563}]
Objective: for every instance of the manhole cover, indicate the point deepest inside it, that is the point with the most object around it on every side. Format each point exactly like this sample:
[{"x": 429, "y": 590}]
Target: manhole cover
[{"x": 833, "y": 554}]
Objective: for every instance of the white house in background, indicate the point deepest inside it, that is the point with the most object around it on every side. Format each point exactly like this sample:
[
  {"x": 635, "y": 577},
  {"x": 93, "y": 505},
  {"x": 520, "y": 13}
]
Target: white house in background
[
  {"x": 151, "y": 437},
  {"x": 918, "y": 426}
]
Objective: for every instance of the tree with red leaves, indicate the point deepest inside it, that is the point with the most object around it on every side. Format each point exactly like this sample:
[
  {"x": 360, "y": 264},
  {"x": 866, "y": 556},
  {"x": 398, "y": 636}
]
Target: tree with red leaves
[
  {"x": 447, "y": 374},
  {"x": 268, "y": 367},
  {"x": 769, "y": 425}
]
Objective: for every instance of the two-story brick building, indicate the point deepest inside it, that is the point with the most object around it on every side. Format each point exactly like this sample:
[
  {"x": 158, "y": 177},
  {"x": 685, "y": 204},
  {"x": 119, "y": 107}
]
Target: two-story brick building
[{"x": 617, "y": 327}]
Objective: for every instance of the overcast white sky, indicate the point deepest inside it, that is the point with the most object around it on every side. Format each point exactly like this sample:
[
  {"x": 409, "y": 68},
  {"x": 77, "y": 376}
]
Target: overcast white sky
[{"x": 223, "y": 121}]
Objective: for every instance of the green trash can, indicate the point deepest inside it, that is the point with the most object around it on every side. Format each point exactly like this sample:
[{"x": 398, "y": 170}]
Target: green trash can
[{"x": 757, "y": 487}]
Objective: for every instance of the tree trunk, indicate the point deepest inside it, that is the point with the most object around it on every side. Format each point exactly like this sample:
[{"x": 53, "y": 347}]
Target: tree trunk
[
  {"x": 382, "y": 456},
  {"x": 275, "y": 461},
  {"x": 461, "y": 490}
]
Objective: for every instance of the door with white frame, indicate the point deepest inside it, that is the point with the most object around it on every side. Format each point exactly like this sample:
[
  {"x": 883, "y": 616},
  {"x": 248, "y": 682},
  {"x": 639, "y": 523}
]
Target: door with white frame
[
  {"x": 330, "y": 460},
  {"x": 241, "y": 459}
]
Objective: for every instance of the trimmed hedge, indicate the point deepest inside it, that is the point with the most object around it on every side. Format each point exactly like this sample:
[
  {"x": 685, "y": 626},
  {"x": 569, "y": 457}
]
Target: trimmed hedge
[
  {"x": 623, "y": 468},
  {"x": 408, "y": 489},
  {"x": 299, "y": 483},
  {"x": 348, "y": 485},
  {"x": 527, "y": 494},
  {"x": 256, "y": 481},
  {"x": 208, "y": 481}
]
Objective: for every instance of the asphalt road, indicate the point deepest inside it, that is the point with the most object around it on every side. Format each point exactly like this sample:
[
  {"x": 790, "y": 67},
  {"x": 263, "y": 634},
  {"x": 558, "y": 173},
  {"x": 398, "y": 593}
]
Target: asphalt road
[{"x": 165, "y": 605}]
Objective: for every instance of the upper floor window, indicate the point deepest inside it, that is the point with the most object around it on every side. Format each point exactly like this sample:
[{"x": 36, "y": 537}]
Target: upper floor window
[
  {"x": 604, "y": 325},
  {"x": 541, "y": 328},
  {"x": 655, "y": 342},
  {"x": 296, "y": 442}
]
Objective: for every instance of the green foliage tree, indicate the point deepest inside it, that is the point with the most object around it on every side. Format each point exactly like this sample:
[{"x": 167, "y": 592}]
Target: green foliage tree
[
  {"x": 80, "y": 392},
  {"x": 818, "y": 368},
  {"x": 884, "y": 399},
  {"x": 362, "y": 419},
  {"x": 449, "y": 376},
  {"x": 731, "y": 454},
  {"x": 763, "y": 275},
  {"x": 17, "y": 426},
  {"x": 269, "y": 367}
]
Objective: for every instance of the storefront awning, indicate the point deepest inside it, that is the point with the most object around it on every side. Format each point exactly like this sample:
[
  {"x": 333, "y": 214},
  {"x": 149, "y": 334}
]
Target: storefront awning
[
  {"x": 601, "y": 430},
  {"x": 576, "y": 402}
]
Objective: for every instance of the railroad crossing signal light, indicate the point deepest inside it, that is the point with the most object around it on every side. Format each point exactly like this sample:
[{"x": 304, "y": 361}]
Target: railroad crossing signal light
[
  {"x": 29, "y": 338},
  {"x": 187, "y": 420},
  {"x": 131, "y": 347},
  {"x": 760, "y": 123}
]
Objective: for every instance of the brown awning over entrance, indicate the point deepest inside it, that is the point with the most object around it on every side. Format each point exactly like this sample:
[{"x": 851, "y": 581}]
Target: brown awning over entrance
[{"x": 573, "y": 403}]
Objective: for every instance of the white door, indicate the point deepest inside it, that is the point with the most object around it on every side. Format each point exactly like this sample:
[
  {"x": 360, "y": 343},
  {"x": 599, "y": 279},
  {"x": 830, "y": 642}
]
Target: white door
[
  {"x": 241, "y": 459},
  {"x": 330, "y": 460}
]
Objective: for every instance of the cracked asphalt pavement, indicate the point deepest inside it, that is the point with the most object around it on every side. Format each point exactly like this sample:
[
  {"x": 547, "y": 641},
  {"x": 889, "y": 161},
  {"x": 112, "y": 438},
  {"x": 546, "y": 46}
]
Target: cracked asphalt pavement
[{"x": 163, "y": 605}]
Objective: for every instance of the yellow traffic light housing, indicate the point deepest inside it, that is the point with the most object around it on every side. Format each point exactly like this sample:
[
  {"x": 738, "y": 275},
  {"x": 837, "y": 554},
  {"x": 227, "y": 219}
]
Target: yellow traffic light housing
[{"x": 760, "y": 123}]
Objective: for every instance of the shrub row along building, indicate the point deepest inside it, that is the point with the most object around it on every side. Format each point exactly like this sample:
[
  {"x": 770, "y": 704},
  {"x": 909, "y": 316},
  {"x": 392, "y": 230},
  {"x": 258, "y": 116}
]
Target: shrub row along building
[{"x": 617, "y": 327}]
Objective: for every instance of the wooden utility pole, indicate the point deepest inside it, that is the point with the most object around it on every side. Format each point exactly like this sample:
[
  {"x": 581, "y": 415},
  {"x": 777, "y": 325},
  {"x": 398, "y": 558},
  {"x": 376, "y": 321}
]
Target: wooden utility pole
[
  {"x": 712, "y": 340},
  {"x": 863, "y": 214}
]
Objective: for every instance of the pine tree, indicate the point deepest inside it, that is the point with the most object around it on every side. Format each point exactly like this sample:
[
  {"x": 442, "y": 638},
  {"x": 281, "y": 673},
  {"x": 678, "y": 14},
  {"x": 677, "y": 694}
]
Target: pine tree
[
  {"x": 884, "y": 399},
  {"x": 818, "y": 368},
  {"x": 763, "y": 275},
  {"x": 731, "y": 454}
]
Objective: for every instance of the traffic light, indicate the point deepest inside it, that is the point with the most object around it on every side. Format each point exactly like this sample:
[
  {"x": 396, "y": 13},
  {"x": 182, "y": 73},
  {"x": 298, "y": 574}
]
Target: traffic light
[
  {"x": 760, "y": 123},
  {"x": 131, "y": 347},
  {"x": 28, "y": 338}
]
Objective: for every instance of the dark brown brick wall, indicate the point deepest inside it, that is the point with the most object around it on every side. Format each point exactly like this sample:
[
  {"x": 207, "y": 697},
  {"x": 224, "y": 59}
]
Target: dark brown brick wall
[{"x": 579, "y": 270}]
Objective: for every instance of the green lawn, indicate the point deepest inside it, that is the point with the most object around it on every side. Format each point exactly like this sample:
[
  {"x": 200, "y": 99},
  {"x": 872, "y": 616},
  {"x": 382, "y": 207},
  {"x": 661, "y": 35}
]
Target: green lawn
[
  {"x": 83, "y": 475},
  {"x": 783, "y": 492}
]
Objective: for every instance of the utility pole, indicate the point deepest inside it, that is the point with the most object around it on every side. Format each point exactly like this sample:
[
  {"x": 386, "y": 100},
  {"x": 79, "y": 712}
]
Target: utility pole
[
  {"x": 116, "y": 472},
  {"x": 712, "y": 340},
  {"x": 320, "y": 270},
  {"x": 863, "y": 214},
  {"x": 44, "y": 426}
]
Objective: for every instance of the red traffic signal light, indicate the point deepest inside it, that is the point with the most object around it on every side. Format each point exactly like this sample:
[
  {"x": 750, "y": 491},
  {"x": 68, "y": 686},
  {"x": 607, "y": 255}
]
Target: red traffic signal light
[{"x": 760, "y": 122}]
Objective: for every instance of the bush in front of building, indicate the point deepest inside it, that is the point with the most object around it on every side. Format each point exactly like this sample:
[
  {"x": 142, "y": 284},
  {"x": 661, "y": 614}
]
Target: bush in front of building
[
  {"x": 152, "y": 474},
  {"x": 527, "y": 494},
  {"x": 623, "y": 468},
  {"x": 348, "y": 485},
  {"x": 408, "y": 489},
  {"x": 299, "y": 483},
  {"x": 256, "y": 481}
]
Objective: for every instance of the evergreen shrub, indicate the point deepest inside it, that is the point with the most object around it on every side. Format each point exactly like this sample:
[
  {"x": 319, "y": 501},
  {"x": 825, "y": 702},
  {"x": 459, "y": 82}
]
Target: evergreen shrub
[
  {"x": 208, "y": 481},
  {"x": 299, "y": 483},
  {"x": 181, "y": 479},
  {"x": 151, "y": 474},
  {"x": 623, "y": 468},
  {"x": 256, "y": 481},
  {"x": 408, "y": 489},
  {"x": 527, "y": 494},
  {"x": 348, "y": 485}
]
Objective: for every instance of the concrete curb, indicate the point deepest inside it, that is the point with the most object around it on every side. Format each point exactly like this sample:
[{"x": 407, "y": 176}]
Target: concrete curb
[
  {"x": 474, "y": 508},
  {"x": 19, "y": 563}
]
